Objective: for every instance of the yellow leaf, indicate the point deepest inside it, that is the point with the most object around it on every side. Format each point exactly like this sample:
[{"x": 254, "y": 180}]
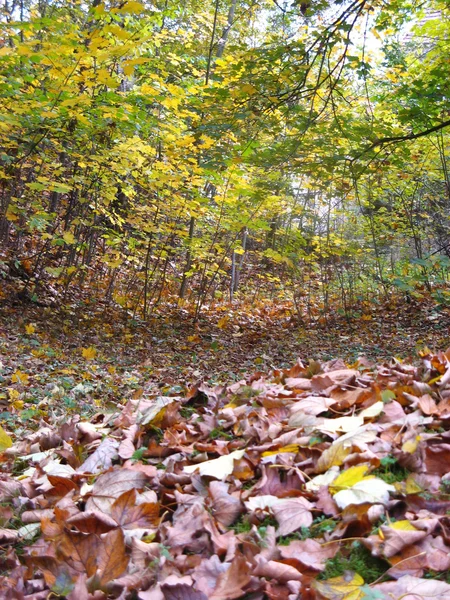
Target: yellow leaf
[
  {"x": 223, "y": 322},
  {"x": 411, "y": 486},
  {"x": 131, "y": 7},
  {"x": 345, "y": 587},
  {"x": 333, "y": 456},
  {"x": 349, "y": 478},
  {"x": 410, "y": 446},
  {"x": 288, "y": 448},
  {"x": 230, "y": 405},
  {"x": 5, "y": 440},
  {"x": 194, "y": 338},
  {"x": 128, "y": 69},
  {"x": 403, "y": 526},
  {"x": 69, "y": 238},
  {"x": 88, "y": 353},
  {"x": 249, "y": 89},
  {"x": 29, "y": 329},
  {"x": 19, "y": 377},
  {"x": 13, "y": 394}
]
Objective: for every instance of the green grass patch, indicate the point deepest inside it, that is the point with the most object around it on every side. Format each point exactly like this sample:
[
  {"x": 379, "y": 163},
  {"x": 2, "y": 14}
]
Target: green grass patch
[
  {"x": 390, "y": 471},
  {"x": 358, "y": 559},
  {"x": 219, "y": 433}
]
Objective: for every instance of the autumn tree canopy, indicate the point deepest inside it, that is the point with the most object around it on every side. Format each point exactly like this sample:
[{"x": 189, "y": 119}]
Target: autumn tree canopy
[{"x": 192, "y": 152}]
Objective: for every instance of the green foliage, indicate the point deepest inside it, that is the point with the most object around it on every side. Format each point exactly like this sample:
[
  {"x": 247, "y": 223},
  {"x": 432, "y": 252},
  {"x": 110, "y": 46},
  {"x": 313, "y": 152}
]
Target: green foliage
[
  {"x": 358, "y": 559},
  {"x": 318, "y": 527},
  {"x": 220, "y": 433},
  {"x": 390, "y": 471},
  {"x": 146, "y": 158}
]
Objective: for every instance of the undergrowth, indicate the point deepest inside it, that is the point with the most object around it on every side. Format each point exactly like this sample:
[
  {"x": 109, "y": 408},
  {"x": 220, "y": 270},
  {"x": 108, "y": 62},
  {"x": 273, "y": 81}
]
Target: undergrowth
[
  {"x": 391, "y": 471},
  {"x": 357, "y": 559}
]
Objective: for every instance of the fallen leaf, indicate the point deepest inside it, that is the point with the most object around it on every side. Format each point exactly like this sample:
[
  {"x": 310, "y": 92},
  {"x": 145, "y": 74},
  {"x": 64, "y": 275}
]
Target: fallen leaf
[
  {"x": 345, "y": 587},
  {"x": 109, "y": 486},
  {"x": 373, "y": 491},
  {"x": 5, "y": 440},
  {"x": 232, "y": 582},
  {"x": 414, "y": 588},
  {"x": 130, "y": 515},
  {"x": 225, "y": 507},
  {"x": 219, "y": 468},
  {"x": 102, "y": 458},
  {"x": 292, "y": 514},
  {"x": 89, "y": 353}
]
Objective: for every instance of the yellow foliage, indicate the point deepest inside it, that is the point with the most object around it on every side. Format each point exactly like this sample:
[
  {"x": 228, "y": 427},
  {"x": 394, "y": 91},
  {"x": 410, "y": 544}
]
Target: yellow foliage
[
  {"x": 349, "y": 478},
  {"x": 5, "y": 440},
  {"x": 88, "y": 353},
  {"x": 19, "y": 377}
]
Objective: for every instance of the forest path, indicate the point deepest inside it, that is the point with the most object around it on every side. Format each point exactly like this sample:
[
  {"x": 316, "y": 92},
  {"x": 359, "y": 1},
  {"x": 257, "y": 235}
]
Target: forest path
[{"x": 93, "y": 347}]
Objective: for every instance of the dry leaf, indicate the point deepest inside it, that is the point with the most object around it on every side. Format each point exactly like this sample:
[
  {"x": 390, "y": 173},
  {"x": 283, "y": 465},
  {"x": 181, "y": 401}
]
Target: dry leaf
[
  {"x": 219, "y": 468},
  {"x": 292, "y": 514}
]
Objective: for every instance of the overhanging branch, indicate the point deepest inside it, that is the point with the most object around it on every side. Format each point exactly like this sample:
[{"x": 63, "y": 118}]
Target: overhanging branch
[{"x": 385, "y": 141}]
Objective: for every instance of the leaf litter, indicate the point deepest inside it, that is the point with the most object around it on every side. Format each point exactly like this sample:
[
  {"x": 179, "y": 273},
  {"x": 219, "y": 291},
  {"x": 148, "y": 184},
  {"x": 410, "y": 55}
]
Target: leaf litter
[{"x": 269, "y": 487}]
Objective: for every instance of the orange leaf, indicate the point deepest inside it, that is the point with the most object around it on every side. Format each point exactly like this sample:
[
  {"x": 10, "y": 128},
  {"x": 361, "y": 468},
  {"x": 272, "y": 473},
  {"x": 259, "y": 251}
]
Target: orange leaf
[{"x": 130, "y": 515}]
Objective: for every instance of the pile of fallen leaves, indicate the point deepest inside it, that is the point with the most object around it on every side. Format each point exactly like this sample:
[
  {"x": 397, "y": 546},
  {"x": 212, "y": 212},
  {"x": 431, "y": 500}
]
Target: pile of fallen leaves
[{"x": 319, "y": 482}]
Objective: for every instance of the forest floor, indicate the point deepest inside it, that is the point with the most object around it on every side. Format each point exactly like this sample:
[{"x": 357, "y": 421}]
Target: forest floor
[
  {"x": 94, "y": 407},
  {"x": 227, "y": 344}
]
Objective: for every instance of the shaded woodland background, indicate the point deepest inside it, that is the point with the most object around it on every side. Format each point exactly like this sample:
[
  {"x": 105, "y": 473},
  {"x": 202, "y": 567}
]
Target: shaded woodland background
[{"x": 191, "y": 154}]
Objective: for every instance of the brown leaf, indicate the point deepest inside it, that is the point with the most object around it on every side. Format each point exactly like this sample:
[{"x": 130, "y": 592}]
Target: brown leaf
[
  {"x": 207, "y": 574},
  {"x": 272, "y": 569},
  {"x": 92, "y": 521},
  {"x": 413, "y": 588},
  {"x": 427, "y": 405},
  {"x": 102, "y": 458},
  {"x": 338, "y": 377},
  {"x": 313, "y": 405},
  {"x": 112, "y": 559},
  {"x": 8, "y": 536},
  {"x": 180, "y": 588},
  {"x": 310, "y": 553},
  {"x": 111, "y": 485},
  {"x": 130, "y": 515},
  {"x": 231, "y": 583},
  {"x": 291, "y": 514},
  {"x": 437, "y": 459},
  {"x": 80, "y": 551},
  {"x": 126, "y": 448},
  {"x": 61, "y": 485},
  {"x": 298, "y": 383},
  {"x": 225, "y": 507},
  {"x": 34, "y": 516},
  {"x": 397, "y": 539}
]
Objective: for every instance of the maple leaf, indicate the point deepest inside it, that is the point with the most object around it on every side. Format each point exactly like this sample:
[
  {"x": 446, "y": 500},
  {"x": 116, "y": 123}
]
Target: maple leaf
[
  {"x": 112, "y": 559},
  {"x": 89, "y": 353},
  {"x": 30, "y": 329},
  {"x": 130, "y": 515},
  {"x": 292, "y": 514},
  {"x": 20, "y": 377},
  {"x": 92, "y": 521}
]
